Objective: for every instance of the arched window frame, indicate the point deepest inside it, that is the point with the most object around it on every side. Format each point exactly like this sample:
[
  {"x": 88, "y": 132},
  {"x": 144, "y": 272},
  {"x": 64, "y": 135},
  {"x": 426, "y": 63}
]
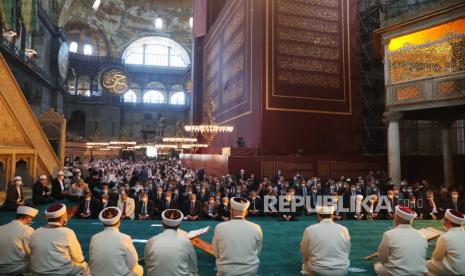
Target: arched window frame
[
  {"x": 87, "y": 50},
  {"x": 178, "y": 98},
  {"x": 156, "y": 51},
  {"x": 154, "y": 97},
  {"x": 130, "y": 97},
  {"x": 73, "y": 47}
]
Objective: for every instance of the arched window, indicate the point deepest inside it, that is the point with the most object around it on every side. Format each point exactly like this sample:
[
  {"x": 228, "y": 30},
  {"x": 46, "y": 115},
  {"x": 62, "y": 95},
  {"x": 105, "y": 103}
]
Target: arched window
[
  {"x": 87, "y": 50},
  {"x": 156, "y": 51},
  {"x": 154, "y": 96},
  {"x": 178, "y": 98},
  {"x": 129, "y": 97},
  {"x": 158, "y": 23},
  {"x": 73, "y": 47},
  {"x": 191, "y": 22}
]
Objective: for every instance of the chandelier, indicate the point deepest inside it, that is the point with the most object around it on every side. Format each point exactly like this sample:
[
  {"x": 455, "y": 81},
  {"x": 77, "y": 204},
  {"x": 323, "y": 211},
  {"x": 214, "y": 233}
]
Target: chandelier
[{"x": 209, "y": 129}]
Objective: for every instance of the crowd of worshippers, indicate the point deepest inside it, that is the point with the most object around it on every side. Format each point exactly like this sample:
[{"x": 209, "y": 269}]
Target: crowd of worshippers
[{"x": 144, "y": 189}]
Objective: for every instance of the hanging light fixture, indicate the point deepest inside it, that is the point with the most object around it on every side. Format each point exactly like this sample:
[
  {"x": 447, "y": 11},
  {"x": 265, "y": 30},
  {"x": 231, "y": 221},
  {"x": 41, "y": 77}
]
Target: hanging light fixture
[{"x": 209, "y": 129}]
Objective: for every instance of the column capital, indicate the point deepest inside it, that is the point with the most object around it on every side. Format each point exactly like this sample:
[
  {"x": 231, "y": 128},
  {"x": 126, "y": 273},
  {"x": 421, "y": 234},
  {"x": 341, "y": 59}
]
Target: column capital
[{"x": 392, "y": 116}]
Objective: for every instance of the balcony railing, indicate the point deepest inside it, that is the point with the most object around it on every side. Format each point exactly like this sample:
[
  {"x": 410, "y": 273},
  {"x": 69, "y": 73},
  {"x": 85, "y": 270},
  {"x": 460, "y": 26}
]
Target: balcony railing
[
  {"x": 399, "y": 10},
  {"x": 21, "y": 57},
  {"x": 95, "y": 59}
]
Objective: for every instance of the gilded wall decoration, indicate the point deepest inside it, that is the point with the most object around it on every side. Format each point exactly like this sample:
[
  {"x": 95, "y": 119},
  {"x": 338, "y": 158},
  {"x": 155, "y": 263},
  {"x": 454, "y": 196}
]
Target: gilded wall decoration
[
  {"x": 10, "y": 134},
  {"x": 288, "y": 34},
  {"x": 451, "y": 87},
  {"x": 308, "y": 65},
  {"x": 232, "y": 92},
  {"x": 324, "y": 3},
  {"x": 236, "y": 66},
  {"x": 234, "y": 24},
  {"x": 307, "y": 10},
  {"x": 311, "y": 79},
  {"x": 436, "y": 58},
  {"x": 233, "y": 47},
  {"x": 115, "y": 80},
  {"x": 408, "y": 93},
  {"x": 309, "y": 24},
  {"x": 305, "y": 50}
]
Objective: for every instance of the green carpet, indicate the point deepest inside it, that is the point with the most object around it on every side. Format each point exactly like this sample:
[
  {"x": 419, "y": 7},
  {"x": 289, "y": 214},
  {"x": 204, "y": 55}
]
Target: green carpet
[{"x": 280, "y": 254}]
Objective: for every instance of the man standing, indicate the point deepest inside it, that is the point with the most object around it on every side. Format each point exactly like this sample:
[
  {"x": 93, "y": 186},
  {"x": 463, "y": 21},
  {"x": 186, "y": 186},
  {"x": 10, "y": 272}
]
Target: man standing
[
  {"x": 65, "y": 256},
  {"x": 238, "y": 242},
  {"x": 449, "y": 255},
  {"x": 14, "y": 195},
  {"x": 403, "y": 249},
  {"x": 112, "y": 252},
  {"x": 14, "y": 242},
  {"x": 325, "y": 246},
  {"x": 168, "y": 254}
]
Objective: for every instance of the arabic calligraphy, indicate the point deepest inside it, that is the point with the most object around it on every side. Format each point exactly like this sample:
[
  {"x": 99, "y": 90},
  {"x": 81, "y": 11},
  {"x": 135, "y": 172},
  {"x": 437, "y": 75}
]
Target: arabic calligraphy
[{"x": 115, "y": 81}]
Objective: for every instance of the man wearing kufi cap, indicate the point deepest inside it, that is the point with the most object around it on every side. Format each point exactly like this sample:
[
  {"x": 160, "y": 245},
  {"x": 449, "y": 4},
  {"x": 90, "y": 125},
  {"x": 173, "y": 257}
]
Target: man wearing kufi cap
[
  {"x": 14, "y": 242},
  {"x": 65, "y": 256},
  {"x": 14, "y": 195},
  {"x": 237, "y": 243},
  {"x": 112, "y": 252},
  {"x": 449, "y": 255},
  {"x": 40, "y": 191},
  {"x": 325, "y": 246},
  {"x": 403, "y": 249},
  {"x": 167, "y": 253}
]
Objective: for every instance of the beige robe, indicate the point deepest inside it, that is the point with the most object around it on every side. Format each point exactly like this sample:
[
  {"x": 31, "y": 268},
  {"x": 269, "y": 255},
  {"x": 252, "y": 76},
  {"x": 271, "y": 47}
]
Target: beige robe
[
  {"x": 325, "y": 248},
  {"x": 449, "y": 255},
  {"x": 237, "y": 244},
  {"x": 130, "y": 207},
  {"x": 168, "y": 254},
  {"x": 402, "y": 252},
  {"x": 56, "y": 251},
  {"x": 14, "y": 245},
  {"x": 112, "y": 253}
]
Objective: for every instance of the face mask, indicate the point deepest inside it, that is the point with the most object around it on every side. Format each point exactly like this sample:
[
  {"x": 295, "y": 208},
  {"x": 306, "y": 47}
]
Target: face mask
[
  {"x": 409, "y": 190},
  {"x": 353, "y": 189},
  {"x": 87, "y": 198},
  {"x": 314, "y": 191},
  {"x": 159, "y": 193},
  {"x": 455, "y": 196},
  {"x": 203, "y": 190},
  {"x": 176, "y": 192}
]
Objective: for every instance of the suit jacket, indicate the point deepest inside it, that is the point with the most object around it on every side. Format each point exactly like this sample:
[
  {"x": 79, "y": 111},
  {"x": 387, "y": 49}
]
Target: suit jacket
[
  {"x": 205, "y": 208},
  {"x": 256, "y": 204},
  {"x": 150, "y": 208},
  {"x": 93, "y": 207},
  {"x": 57, "y": 193},
  {"x": 192, "y": 211},
  {"x": 39, "y": 193},
  {"x": 223, "y": 211},
  {"x": 168, "y": 205},
  {"x": 100, "y": 206},
  {"x": 12, "y": 196}
]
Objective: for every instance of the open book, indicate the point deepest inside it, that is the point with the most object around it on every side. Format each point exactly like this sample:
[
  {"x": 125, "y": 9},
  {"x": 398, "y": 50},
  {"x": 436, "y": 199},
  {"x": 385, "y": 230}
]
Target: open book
[
  {"x": 429, "y": 233},
  {"x": 196, "y": 241}
]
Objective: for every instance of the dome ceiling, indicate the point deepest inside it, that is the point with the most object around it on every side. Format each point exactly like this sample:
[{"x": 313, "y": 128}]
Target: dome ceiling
[{"x": 123, "y": 21}]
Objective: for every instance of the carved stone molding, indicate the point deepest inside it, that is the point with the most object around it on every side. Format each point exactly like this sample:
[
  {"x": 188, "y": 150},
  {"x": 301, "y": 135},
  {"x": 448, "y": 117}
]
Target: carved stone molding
[{"x": 392, "y": 116}]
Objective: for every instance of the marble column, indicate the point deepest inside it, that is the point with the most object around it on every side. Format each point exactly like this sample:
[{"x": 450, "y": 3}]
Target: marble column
[
  {"x": 392, "y": 119},
  {"x": 447, "y": 155}
]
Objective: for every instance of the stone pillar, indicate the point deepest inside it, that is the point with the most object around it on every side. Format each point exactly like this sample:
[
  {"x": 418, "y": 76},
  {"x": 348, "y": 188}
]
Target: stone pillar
[
  {"x": 447, "y": 155},
  {"x": 392, "y": 119}
]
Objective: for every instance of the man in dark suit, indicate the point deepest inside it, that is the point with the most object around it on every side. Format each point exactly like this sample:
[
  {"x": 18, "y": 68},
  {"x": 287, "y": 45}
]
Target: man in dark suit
[
  {"x": 14, "y": 195},
  {"x": 256, "y": 204},
  {"x": 168, "y": 202},
  {"x": 452, "y": 202},
  {"x": 210, "y": 208},
  {"x": 58, "y": 186},
  {"x": 203, "y": 195},
  {"x": 192, "y": 208},
  {"x": 104, "y": 202},
  {"x": 144, "y": 208},
  {"x": 40, "y": 191},
  {"x": 88, "y": 207},
  {"x": 430, "y": 210},
  {"x": 223, "y": 210},
  {"x": 157, "y": 201}
]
